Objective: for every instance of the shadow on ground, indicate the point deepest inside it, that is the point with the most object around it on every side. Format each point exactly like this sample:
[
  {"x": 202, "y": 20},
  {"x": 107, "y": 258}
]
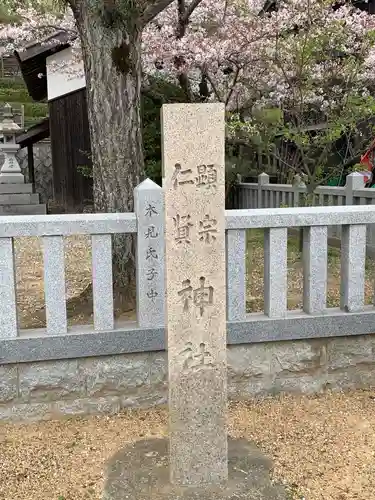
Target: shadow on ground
[{"x": 140, "y": 472}]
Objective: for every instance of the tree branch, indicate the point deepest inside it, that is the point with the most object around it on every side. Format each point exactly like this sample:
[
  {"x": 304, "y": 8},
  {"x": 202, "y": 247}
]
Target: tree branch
[
  {"x": 234, "y": 82},
  {"x": 184, "y": 12},
  {"x": 213, "y": 86},
  {"x": 190, "y": 9},
  {"x": 233, "y": 141},
  {"x": 185, "y": 85},
  {"x": 153, "y": 10},
  {"x": 181, "y": 27},
  {"x": 181, "y": 6},
  {"x": 57, "y": 29},
  {"x": 72, "y": 3},
  {"x": 225, "y": 10}
]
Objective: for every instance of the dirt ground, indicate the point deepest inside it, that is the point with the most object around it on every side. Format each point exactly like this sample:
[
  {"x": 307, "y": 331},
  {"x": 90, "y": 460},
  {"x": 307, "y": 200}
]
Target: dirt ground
[
  {"x": 30, "y": 280},
  {"x": 323, "y": 447}
]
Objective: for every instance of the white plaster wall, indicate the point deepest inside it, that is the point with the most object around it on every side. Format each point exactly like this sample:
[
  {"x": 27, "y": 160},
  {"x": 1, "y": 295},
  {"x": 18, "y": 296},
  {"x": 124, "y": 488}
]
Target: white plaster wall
[{"x": 60, "y": 82}]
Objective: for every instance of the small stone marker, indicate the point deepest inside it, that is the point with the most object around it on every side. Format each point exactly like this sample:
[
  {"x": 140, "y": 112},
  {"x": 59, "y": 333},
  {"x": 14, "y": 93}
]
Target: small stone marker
[
  {"x": 194, "y": 184},
  {"x": 149, "y": 207}
]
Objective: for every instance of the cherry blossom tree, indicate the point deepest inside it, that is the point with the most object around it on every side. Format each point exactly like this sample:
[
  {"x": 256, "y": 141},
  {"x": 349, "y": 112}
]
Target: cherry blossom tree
[
  {"x": 106, "y": 36},
  {"x": 308, "y": 61},
  {"x": 307, "y": 65},
  {"x": 279, "y": 71}
]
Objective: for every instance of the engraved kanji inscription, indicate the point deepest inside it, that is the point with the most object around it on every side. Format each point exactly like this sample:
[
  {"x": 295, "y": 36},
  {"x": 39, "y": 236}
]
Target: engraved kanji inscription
[
  {"x": 182, "y": 226},
  {"x": 181, "y": 177},
  {"x": 151, "y": 273},
  {"x": 201, "y": 297},
  {"x": 152, "y": 294},
  {"x": 150, "y": 210},
  {"x": 151, "y": 254},
  {"x": 186, "y": 294},
  {"x": 207, "y": 229},
  {"x": 196, "y": 358},
  {"x": 207, "y": 177},
  {"x": 151, "y": 232}
]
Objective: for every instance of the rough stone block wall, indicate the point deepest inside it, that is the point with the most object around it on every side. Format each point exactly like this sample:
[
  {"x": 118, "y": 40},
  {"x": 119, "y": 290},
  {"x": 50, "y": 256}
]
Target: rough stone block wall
[
  {"x": 55, "y": 389},
  {"x": 42, "y": 169}
]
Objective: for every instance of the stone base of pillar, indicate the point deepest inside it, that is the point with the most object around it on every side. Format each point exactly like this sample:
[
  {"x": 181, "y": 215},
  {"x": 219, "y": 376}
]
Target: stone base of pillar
[
  {"x": 141, "y": 472},
  {"x": 12, "y": 178}
]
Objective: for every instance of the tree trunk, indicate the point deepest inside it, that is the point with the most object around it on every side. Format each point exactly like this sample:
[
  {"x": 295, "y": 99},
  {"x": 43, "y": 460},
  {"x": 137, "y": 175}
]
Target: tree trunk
[{"x": 111, "y": 46}]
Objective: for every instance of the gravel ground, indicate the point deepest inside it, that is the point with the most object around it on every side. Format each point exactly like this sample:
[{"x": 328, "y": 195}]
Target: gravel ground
[
  {"x": 255, "y": 270},
  {"x": 323, "y": 447}
]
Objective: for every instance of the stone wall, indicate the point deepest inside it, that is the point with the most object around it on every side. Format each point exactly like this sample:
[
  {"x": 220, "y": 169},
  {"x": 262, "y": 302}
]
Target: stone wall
[
  {"x": 54, "y": 389},
  {"x": 42, "y": 169}
]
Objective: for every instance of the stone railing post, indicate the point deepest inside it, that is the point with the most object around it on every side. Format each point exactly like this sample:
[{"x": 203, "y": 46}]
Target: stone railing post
[
  {"x": 263, "y": 179},
  {"x": 8, "y": 303},
  {"x": 353, "y": 181},
  {"x": 298, "y": 184},
  {"x": 149, "y": 209},
  {"x": 353, "y": 258}
]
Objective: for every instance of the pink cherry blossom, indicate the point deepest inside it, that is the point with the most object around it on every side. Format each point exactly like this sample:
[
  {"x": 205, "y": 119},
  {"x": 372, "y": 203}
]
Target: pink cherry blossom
[{"x": 247, "y": 59}]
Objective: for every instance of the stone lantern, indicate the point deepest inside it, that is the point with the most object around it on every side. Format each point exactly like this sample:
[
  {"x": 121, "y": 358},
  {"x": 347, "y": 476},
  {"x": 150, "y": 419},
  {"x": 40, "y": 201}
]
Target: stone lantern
[{"x": 10, "y": 171}]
